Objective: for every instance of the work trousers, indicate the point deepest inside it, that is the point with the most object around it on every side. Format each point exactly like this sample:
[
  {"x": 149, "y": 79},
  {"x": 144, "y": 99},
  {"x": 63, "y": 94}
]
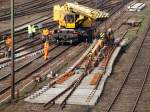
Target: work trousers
[
  {"x": 31, "y": 35},
  {"x": 45, "y": 54}
]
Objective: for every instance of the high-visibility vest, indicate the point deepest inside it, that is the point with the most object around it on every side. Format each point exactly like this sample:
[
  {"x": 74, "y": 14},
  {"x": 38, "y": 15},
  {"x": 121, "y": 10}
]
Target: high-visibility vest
[
  {"x": 45, "y": 32},
  {"x": 31, "y": 29}
]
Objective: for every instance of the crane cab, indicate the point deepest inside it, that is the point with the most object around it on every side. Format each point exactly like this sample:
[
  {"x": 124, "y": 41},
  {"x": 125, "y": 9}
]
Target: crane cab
[{"x": 70, "y": 21}]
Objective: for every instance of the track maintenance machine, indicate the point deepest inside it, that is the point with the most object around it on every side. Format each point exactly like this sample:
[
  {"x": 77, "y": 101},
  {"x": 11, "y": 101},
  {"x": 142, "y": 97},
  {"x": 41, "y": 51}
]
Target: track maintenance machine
[{"x": 76, "y": 22}]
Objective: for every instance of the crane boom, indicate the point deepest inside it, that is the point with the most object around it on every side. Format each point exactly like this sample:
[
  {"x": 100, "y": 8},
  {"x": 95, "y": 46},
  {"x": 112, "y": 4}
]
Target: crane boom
[
  {"x": 87, "y": 11},
  {"x": 78, "y": 9}
]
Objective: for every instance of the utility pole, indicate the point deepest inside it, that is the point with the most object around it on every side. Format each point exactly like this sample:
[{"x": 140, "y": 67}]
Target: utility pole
[{"x": 12, "y": 54}]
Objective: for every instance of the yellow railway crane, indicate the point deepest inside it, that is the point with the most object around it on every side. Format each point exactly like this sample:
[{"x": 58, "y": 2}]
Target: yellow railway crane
[{"x": 75, "y": 22}]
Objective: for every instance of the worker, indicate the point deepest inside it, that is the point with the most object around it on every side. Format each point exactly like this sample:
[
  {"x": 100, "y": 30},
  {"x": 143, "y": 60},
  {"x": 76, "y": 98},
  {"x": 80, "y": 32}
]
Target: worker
[
  {"x": 45, "y": 34},
  {"x": 31, "y": 31},
  {"x": 108, "y": 40},
  {"x": 46, "y": 48},
  {"x": 8, "y": 45},
  {"x": 109, "y": 37}
]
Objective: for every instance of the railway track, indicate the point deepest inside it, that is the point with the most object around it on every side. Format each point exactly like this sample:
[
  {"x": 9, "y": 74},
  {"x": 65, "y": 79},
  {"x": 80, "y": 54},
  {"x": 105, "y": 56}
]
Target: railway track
[
  {"x": 72, "y": 87},
  {"x": 29, "y": 61},
  {"x": 127, "y": 96},
  {"x": 69, "y": 90},
  {"x": 28, "y": 47},
  {"x": 34, "y": 64},
  {"x": 24, "y": 36},
  {"x": 28, "y": 8},
  {"x": 31, "y": 46},
  {"x": 51, "y": 24},
  {"x": 82, "y": 2},
  {"x": 8, "y": 87},
  {"x": 25, "y": 42}
]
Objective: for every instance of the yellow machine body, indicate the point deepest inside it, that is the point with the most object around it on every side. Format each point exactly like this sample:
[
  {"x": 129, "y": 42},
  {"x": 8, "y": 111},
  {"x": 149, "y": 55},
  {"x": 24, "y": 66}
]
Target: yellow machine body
[
  {"x": 69, "y": 14},
  {"x": 74, "y": 19}
]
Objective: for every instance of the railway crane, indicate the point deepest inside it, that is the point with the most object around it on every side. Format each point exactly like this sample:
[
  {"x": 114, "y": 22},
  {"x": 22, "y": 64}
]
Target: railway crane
[{"x": 75, "y": 22}]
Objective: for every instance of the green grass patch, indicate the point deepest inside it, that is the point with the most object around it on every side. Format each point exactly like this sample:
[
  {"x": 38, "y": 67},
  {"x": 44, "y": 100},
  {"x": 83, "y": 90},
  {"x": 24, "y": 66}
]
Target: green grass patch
[
  {"x": 148, "y": 107},
  {"x": 145, "y": 14},
  {"x": 132, "y": 32}
]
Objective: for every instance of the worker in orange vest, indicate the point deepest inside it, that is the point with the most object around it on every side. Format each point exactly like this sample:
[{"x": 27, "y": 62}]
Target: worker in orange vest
[
  {"x": 46, "y": 48},
  {"x": 8, "y": 44},
  {"x": 45, "y": 34}
]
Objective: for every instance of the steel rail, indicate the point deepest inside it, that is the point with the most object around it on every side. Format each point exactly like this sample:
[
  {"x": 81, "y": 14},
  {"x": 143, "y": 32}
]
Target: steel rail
[
  {"x": 47, "y": 15},
  {"x": 142, "y": 87},
  {"x": 50, "y": 25},
  {"x": 21, "y": 67},
  {"x": 16, "y": 6},
  {"x": 43, "y": 6},
  {"x": 72, "y": 87},
  {"x": 63, "y": 103},
  {"x": 129, "y": 70},
  {"x": 34, "y": 8},
  {"x": 52, "y": 101},
  {"x": 20, "y": 50},
  {"x": 33, "y": 71},
  {"x": 6, "y": 61}
]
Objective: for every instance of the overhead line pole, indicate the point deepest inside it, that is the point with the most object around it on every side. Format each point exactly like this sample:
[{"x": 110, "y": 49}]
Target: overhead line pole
[{"x": 12, "y": 53}]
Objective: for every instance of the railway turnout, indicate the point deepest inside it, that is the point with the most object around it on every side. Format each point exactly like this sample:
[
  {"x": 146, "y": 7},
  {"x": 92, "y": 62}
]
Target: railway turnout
[{"x": 83, "y": 82}]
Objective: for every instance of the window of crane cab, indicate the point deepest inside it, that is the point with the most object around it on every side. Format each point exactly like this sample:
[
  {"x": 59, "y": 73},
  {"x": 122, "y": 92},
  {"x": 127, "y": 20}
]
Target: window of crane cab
[{"x": 70, "y": 18}]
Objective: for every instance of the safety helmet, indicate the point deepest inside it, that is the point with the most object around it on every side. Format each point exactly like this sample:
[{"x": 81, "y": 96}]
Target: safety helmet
[{"x": 109, "y": 30}]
